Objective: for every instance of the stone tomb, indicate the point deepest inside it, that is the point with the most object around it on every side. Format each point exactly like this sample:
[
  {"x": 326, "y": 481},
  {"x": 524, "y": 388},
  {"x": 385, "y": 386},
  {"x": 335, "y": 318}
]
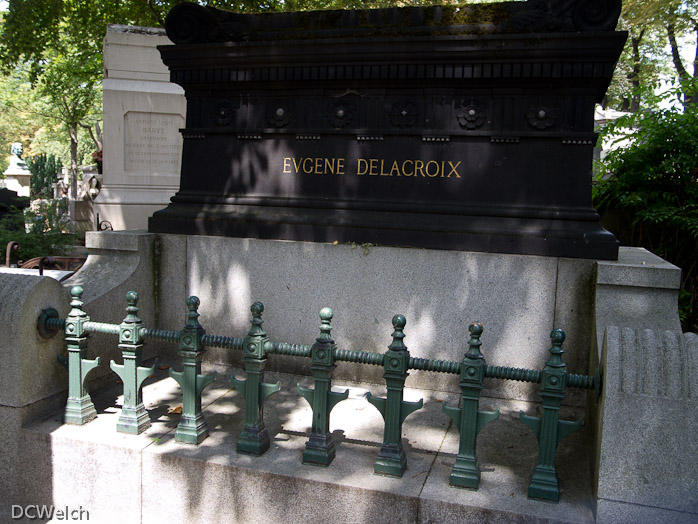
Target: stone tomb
[{"x": 467, "y": 128}]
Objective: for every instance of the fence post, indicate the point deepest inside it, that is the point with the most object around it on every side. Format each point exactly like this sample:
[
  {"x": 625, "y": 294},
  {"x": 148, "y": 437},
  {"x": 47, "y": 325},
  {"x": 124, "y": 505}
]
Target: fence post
[
  {"x": 549, "y": 429},
  {"x": 134, "y": 418},
  {"x": 79, "y": 408},
  {"x": 320, "y": 448},
  {"x": 468, "y": 418},
  {"x": 192, "y": 428},
  {"x": 254, "y": 437},
  {"x": 392, "y": 460}
]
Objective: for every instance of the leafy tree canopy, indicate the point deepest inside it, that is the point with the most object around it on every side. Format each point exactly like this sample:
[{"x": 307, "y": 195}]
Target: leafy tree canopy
[{"x": 658, "y": 30}]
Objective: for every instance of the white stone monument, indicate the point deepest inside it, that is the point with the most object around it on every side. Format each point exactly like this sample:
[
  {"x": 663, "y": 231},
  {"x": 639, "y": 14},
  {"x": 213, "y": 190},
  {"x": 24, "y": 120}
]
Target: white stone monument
[
  {"x": 143, "y": 113},
  {"x": 17, "y": 174}
]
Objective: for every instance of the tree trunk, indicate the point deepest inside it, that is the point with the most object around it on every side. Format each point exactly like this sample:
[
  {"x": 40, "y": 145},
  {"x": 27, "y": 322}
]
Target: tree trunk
[
  {"x": 634, "y": 104},
  {"x": 635, "y": 75},
  {"x": 684, "y": 75},
  {"x": 73, "y": 171},
  {"x": 74, "y": 161}
]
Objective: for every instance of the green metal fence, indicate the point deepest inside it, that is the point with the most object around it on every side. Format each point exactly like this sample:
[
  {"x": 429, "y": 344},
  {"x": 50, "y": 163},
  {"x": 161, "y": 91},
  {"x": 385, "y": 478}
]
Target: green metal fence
[{"x": 320, "y": 448}]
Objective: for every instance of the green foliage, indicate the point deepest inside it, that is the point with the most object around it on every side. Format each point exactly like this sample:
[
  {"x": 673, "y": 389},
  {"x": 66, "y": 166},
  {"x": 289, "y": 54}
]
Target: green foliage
[
  {"x": 44, "y": 170},
  {"x": 648, "y": 192},
  {"x": 18, "y": 122},
  {"x": 47, "y": 216},
  {"x": 657, "y": 30},
  {"x": 33, "y": 243}
]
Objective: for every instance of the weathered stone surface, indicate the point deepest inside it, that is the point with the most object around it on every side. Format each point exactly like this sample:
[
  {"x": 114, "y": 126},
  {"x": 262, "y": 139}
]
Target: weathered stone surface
[
  {"x": 29, "y": 370},
  {"x": 118, "y": 262},
  {"x": 439, "y": 293},
  {"x": 639, "y": 290},
  {"x": 648, "y": 412}
]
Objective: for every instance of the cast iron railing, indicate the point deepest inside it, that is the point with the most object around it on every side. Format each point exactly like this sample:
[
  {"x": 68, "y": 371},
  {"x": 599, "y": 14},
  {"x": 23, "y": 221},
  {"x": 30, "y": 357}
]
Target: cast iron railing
[{"x": 320, "y": 448}]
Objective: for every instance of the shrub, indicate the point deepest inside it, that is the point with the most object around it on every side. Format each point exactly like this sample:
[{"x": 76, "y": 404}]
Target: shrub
[
  {"x": 33, "y": 243},
  {"x": 44, "y": 170},
  {"x": 649, "y": 190}
]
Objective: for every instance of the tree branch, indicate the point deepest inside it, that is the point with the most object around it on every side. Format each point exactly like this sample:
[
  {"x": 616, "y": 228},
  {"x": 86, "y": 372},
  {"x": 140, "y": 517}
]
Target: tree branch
[
  {"x": 155, "y": 13},
  {"x": 97, "y": 142}
]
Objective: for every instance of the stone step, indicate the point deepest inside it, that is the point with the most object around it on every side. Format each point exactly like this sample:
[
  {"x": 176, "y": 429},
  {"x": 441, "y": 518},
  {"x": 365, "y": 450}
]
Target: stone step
[{"x": 150, "y": 478}]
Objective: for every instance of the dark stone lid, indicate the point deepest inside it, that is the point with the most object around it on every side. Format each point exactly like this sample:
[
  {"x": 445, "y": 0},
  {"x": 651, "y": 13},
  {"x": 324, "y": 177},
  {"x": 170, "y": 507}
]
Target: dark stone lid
[{"x": 190, "y": 23}]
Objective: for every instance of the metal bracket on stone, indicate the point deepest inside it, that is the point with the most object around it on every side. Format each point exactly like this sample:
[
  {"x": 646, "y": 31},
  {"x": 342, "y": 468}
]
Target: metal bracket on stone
[
  {"x": 192, "y": 428},
  {"x": 470, "y": 420},
  {"x": 254, "y": 438},
  {"x": 392, "y": 460},
  {"x": 549, "y": 430},
  {"x": 320, "y": 448},
  {"x": 79, "y": 408},
  {"x": 134, "y": 418}
]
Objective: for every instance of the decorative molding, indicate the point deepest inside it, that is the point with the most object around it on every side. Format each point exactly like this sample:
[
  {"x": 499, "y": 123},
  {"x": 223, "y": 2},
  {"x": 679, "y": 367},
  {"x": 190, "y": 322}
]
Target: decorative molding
[
  {"x": 456, "y": 71},
  {"x": 403, "y": 113},
  {"x": 471, "y": 114},
  {"x": 339, "y": 112},
  {"x": 279, "y": 114},
  {"x": 578, "y": 141},
  {"x": 541, "y": 117},
  {"x": 223, "y": 113}
]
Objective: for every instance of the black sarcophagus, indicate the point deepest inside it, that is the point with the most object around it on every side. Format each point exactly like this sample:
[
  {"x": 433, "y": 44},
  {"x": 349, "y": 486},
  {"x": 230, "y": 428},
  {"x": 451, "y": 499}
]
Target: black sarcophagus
[{"x": 467, "y": 128}]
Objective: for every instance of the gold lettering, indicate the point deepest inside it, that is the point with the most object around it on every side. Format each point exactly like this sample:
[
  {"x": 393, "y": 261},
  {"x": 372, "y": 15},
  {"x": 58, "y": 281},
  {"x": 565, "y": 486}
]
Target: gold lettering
[
  {"x": 305, "y": 162},
  {"x": 359, "y": 171},
  {"x": 367, "y": 166},
  {"x": 453, "y": 169},
  {"x": 395, "y": 168},
  {"x": 427, "y": 168}
]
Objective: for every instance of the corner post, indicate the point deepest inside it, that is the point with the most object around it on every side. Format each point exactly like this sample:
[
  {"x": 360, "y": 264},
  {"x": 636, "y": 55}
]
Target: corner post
[
  {"x": 470, "y": 420},
  {"x": 134, "y": 418},
  {"x": 549, "y": 429},
  {"x": 392, "y": 460},
  {"x": 79, "y": 408},
  {"x": 254, "y": 437},
  {"x": 320, "y": 448},
  {"x": 192, "y": 427}
]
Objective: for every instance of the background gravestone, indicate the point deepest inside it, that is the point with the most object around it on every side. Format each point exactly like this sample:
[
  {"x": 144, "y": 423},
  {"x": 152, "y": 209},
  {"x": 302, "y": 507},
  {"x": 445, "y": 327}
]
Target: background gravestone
[{"x": 143, "y": 113}]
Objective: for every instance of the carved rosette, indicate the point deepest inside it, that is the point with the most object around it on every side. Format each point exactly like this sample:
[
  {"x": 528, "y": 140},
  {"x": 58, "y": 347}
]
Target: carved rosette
[
  {"x": 279, "y": 113},
  {"x": 541, "y": 117},
  {"x": 471, "y": 114},
  {"x": 339, "y": 113},
  {"x": 223, "y": 113},
  {"x": 596, "y": 15},
  {"x": 403, "y": 113}
]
